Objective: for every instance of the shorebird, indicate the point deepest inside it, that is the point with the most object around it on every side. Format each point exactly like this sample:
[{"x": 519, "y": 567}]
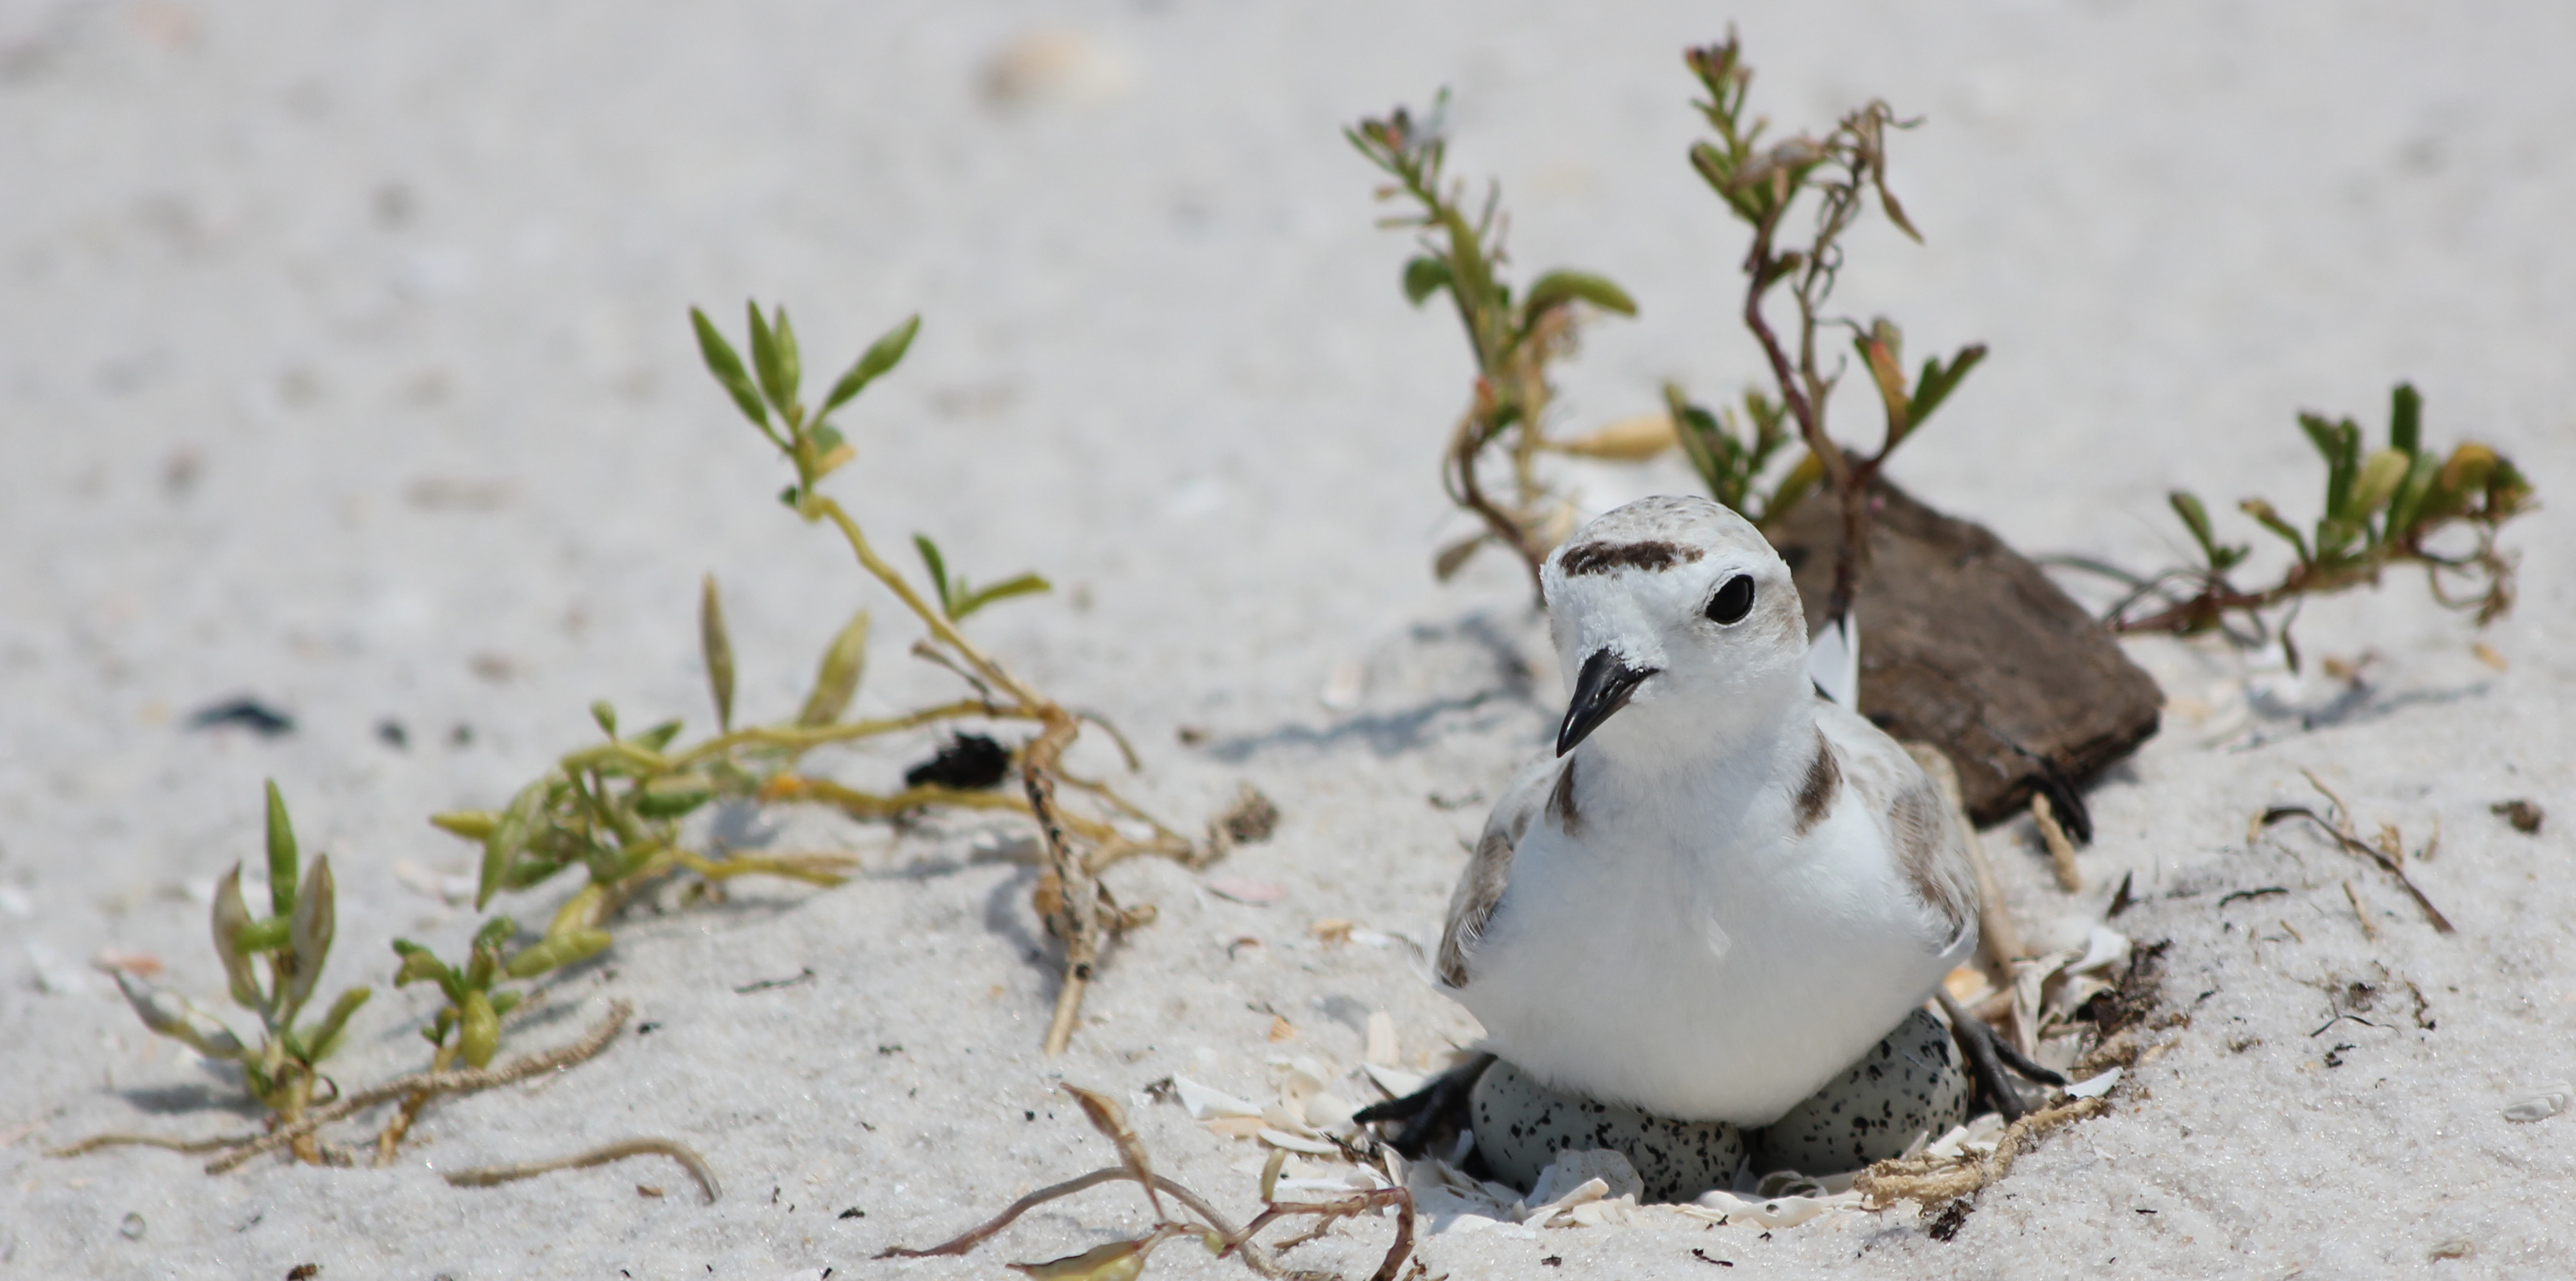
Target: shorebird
[{"x": 1721, "y": 888}]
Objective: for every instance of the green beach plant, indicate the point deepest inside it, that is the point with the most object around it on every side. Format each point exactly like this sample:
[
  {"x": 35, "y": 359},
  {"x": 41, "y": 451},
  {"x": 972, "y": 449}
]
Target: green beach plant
[
  {"x": 2394, "y": 506},
  {"x": 273, "y": 966}
]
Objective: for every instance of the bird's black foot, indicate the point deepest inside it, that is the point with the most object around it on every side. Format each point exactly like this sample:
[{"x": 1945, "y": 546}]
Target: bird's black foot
[
  {"x": 1989, "y": 1056},
  {"x": 1439, "y": 1108}
]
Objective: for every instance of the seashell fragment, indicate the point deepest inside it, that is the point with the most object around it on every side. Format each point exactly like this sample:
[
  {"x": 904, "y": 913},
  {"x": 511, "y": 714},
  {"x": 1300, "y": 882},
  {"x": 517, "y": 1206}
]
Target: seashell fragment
[
  {"x": 2549, "y": 1101},
  {"x": 1206, "y": 1102}
]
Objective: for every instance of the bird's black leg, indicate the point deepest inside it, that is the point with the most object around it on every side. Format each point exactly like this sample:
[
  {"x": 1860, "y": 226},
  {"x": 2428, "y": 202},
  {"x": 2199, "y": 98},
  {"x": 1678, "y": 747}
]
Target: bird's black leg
[
  {"x": 1989, "y": 1056},
  {"x": 1441, "y": 1102}
]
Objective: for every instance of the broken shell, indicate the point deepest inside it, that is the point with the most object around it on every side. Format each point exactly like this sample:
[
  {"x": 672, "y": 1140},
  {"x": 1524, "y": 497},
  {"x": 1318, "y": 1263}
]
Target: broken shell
[
  {"x": 1204, "y": 1102},
  {"x": 2549, "y": 1101}
]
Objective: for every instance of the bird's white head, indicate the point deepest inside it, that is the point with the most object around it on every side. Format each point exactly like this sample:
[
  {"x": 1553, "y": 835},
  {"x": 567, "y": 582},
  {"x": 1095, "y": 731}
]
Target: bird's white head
[{"x": 1677, "y": 628}]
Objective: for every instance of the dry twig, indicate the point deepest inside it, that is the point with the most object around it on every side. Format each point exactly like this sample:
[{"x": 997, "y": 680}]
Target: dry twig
[
  {"x": 1930, "y": 1181},
  {"x": 2340, "y": 830},
  {"x": 486, "y": 1176}
]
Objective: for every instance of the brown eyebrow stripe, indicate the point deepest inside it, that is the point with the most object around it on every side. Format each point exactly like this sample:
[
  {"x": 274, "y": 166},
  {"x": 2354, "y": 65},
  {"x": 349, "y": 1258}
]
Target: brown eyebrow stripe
[{"x": 1601, "y": 558}]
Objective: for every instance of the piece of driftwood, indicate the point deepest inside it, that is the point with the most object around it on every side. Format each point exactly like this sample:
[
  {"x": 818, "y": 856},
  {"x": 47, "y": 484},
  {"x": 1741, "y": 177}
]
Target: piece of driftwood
[{"x": 1965, "y": 644}]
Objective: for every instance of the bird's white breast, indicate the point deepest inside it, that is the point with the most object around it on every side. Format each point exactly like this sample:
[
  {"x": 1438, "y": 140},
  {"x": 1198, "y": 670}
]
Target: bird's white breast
[{"x": 1663, "y": 957}]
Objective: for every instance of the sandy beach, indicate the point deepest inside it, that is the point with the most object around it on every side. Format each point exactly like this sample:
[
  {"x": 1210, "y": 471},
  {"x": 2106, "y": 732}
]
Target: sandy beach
[{"x": 345, "y": 366}]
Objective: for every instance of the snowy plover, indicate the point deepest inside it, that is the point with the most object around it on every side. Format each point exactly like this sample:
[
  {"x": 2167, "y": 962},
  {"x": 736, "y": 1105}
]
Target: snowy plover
[{"x": 1720, "y": 889}]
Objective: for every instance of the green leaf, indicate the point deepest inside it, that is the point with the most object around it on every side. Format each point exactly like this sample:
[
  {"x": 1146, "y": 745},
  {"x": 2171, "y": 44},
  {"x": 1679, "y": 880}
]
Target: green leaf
[
  {"x": 495, "y": 932},
  {"x": 326, "y": 1035},
  {"x": 1455, "y": 556},
  {"x": 479, "y": 1027},
  {"x": 673, "y": 796},
  {"x": 658, "y": 737},
  {"x": 1423, "y": 277},
  {"x": 2408, "y": 503},
  {"x": 2195, "y": 518},
  {"x": 604, "y": 714},
  {"x": 2405, "y": 419},
  {"x": 418, "y": 963},
  {"x": 2340, "y": 444},
  {"x": 508, "y": 838},
  {"x": 316, "y": 921},
  {"x": 473, "y": 825},
  {"x": 1116, "y": 1261},
  {"x": 770, "y": 360},
  {"x": 838, "y": 676},
  {"x": 231, "y": 917},
  {"x": 938, "y": 567},
  {"x": 1939, "y": 380},
  {"x": 2378, "y": 481},
  {"x": 1712, "y": 453},
  {"x": 172, "y": 1016},
  {"x": 267, "y": 934},
  {"x": 532, "y": 871},
  {"x": 727, "y": 368},
  {"x": 1022, "y": 585},
  {"x": 2271, "y": 520},
  {"x": 882, "y": 355},
  {"x": 715, "y": 645},
  {"x": 281, "y": 854},
  {"x": 791, "y": 372},
  {"x": 1557, "y": 288},
  {"x": 562, "y": 949}
]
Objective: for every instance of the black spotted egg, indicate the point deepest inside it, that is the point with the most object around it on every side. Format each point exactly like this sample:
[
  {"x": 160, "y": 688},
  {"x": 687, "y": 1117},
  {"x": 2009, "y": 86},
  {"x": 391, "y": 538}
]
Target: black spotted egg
[
  {"x": 1521, "y": 1125},
  {"x": 1909, "y": 1083}
]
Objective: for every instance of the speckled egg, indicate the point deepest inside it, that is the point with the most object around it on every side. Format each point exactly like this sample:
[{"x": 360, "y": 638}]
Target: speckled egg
[
  {"x": 1521, "y": 1125},
  {"x": 1907, "y": 1084}
]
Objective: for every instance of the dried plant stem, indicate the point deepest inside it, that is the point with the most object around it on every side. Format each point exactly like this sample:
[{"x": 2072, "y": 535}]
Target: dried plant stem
[
  {"x": 800, "y": 738},
  {"x": 1396, "y": 1251},
  {"x": 2341, "y": 833},
  {"x": 1253, "y": 1254},
  {"x": 1077, "y": 916},
  {"x": 2061, "y": 851},
  {"x": 2216, "y": 599},
  {"x": 1932, "y": 1182},
  {"x": 391, "y": 1137},
  {"x": 1459, "y": 478},
  {"x": 120, "y": 1139},
  {"x": 493, "y": 1175},
  {"x": 1030, "y": 703},
  {"x": 2369, "y": 932},
  {"x": 471, "y": 1081},
  {"x": 1803, "y": 389}
]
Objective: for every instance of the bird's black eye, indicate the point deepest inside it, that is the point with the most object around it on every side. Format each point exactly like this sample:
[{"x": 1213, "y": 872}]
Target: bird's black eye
[{"x": 1733, "y": 601}]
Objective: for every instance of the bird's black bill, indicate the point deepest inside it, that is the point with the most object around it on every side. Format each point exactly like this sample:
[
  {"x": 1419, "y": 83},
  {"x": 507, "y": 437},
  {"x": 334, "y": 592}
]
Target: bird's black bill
[{"x": 1600, "y": 689}]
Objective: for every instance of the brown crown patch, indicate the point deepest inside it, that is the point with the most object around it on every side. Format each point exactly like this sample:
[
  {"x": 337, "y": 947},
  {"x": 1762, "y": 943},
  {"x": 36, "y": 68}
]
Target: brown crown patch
[{"x": 1601, "y": 558}]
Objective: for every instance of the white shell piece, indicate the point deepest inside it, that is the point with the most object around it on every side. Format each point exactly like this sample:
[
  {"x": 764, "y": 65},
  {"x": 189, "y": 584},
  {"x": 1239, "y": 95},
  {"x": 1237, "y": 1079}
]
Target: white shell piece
[
  {"x": 1546, "y": 1215},
  {"x": 2548, "y": 1102},
  {"x": 1205, "y": 1103},
  {"x": 2094, "y": 1087},
  {"x": 1573, "y": 1170},
  {"x": 1381, "y": 1038},
  {"x": 1294, "y": 1143},
  {"x": 1328, "y": 1111},
  {"x": 1394, "y": 1080},
  {"x": 1778, "y": 1212}
]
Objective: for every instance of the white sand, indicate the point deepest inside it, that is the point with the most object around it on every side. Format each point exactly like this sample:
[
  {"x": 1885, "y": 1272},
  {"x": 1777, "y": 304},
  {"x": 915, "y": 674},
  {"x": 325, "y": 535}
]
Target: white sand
[{"x": 402, "y": 289}]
